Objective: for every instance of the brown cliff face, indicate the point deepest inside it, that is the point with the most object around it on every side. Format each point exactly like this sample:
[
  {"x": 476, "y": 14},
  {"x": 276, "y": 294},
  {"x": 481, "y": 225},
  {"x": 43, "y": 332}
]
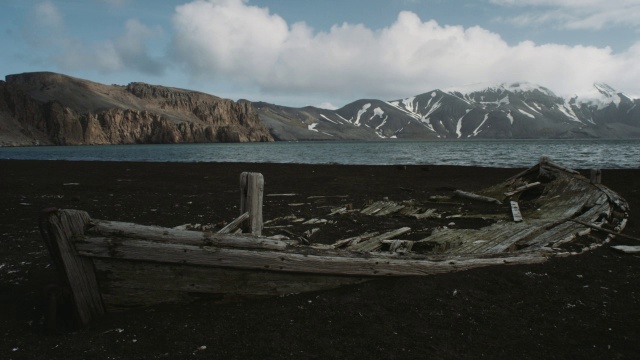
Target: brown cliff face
[{"x": 48, "y": 108}]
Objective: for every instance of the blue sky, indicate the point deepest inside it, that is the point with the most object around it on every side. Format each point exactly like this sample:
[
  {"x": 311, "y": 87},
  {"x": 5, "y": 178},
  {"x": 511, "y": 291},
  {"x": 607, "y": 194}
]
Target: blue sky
[{"x": 327, "y": 53}]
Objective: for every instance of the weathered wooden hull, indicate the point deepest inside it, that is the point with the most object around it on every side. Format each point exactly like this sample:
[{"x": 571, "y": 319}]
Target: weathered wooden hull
[{"x": 117, "y": 265}]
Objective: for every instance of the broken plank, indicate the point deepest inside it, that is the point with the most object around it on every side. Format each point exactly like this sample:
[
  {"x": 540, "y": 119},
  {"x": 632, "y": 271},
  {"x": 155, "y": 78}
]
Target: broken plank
[
  {"x": 353, "y": 240},
  {"x": 627, "y": 249},
  {"x": 375, "y": 242},
  {"x": 400, "y": 246},
  {"x": 595, "y": 227},
  {"x": 515, "y": 211},
  {"x": 234, "y": 224},
  {"x": 522, "y": 188},
  {"x": 472, "y": 196}
]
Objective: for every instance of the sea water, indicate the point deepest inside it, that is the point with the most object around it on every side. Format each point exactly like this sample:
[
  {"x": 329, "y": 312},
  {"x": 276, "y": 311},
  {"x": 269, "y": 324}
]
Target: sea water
[{"x": 580, "y": 154}]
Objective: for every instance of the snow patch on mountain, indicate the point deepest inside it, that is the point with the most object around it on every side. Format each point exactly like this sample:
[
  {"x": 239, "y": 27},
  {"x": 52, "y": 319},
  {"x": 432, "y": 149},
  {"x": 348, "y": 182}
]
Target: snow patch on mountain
[
  {"x": 384, "y": 121},
  {"x": 568, "y": 112},
  {"x": 459, "y": 126},
  {"x": 526, "y": 113},
  {"x": 601, "y": 96},
  {"x": 326, "y": 118},
  {"x": 360, "y": 112},
  {"x": 408, "y": 104},
  {"x": 377, "y": 112},
  {"x": 477, "y": 130},
  {"x": 312, "y": 127}
]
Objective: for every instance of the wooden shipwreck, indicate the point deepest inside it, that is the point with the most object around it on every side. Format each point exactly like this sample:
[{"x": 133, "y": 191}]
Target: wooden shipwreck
[{"x": 111, "y": 265}]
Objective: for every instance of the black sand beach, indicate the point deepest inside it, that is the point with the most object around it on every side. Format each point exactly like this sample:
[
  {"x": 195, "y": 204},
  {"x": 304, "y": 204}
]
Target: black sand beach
[{"x": 583, "y": 306}]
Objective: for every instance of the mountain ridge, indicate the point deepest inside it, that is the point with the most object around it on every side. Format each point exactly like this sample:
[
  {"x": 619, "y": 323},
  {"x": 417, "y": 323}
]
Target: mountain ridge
[
  {"x": 519, "y": 110},
  {"x": 53, "y": 109}
]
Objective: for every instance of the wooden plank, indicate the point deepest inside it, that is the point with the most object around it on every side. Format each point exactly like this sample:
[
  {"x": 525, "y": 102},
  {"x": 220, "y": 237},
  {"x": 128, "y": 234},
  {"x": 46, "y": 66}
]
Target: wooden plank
[
  {"x": 561, "y": 230},
  {"x": 251, "y": 193},
  {"x": 515, "y": 211},
  {"x": 375, "y": 242},
  {"x": 322, "y": 263},
  {"x": 627, "y": 249},
  {"x": 57, "y": 229},
  {"x": 353, "y": 240},
  {"x": 234, "y": 224},
  {"x": 400, "y": 246},
  {"x": 546, "y": 162},
  {"x": 101, "y": 228},
  {"x": 605, "y": 230},
  {"x": 522, "y": 188},
  {"x": 472, "y": 196},
  {"x": 130, "y": 284},
  {"x": 377, "y": 206}
]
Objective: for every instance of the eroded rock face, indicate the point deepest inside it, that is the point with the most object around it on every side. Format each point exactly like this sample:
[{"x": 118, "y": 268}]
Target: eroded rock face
[{"x": 49, "y": 108}]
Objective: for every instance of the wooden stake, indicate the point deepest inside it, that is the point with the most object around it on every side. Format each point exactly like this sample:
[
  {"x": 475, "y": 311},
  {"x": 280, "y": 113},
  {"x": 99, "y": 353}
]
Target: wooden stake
[
  {"x": 596, "y": 176},
  {"x": 251, "y": 192}
]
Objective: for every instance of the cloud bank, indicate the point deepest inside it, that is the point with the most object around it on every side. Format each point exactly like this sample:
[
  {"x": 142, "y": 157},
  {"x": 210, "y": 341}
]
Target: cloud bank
[
  {"x": 230, "y": 40},
  {"x": 232, "y": 47}
]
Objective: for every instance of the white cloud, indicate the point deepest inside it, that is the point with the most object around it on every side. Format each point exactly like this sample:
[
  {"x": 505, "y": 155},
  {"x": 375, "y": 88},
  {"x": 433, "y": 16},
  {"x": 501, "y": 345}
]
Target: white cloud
[
  {"x": 326, "y": 105},
  {"x": 126, "y": 52},
  {"x": 575, "y": 14},
  {"x": 228, "y": 37},
  {"x": 231, "y": 41}
]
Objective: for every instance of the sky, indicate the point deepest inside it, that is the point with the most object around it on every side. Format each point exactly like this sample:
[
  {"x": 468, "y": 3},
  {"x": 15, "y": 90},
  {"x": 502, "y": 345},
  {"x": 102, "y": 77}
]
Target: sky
[{"x": 327, "y": 53}]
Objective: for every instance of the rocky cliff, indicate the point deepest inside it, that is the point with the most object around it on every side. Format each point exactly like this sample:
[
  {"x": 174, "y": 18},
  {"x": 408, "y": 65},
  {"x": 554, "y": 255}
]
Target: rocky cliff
[{"x": 48, "y": 108}]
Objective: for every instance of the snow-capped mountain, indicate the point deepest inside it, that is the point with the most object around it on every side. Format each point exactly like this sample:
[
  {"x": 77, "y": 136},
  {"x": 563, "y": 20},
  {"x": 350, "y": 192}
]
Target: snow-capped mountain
[{"x": 516, "y": 110}]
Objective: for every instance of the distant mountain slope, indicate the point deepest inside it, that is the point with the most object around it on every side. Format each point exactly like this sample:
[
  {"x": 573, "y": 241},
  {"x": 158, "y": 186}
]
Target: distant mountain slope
[
  {"x": 50, "y": 108},
  {"x": 518, "y": 110}
]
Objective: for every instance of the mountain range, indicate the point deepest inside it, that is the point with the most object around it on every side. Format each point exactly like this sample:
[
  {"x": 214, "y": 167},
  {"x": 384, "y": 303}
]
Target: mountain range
[
  {"x": 49, "y": 108},
  {"x": 506, "y": 111}
]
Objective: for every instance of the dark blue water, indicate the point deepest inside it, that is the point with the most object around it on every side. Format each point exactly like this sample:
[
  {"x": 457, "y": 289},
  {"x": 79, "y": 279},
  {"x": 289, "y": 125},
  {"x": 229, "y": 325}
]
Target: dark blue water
[{"x": 495, "y": 153}]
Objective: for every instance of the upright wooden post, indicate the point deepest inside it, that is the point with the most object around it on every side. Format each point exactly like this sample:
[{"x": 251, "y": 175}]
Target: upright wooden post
[
  {"x": 596, "y": 176},
  {"x": 251, "y": 192},
  {"x": 58, "y": 228}
]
